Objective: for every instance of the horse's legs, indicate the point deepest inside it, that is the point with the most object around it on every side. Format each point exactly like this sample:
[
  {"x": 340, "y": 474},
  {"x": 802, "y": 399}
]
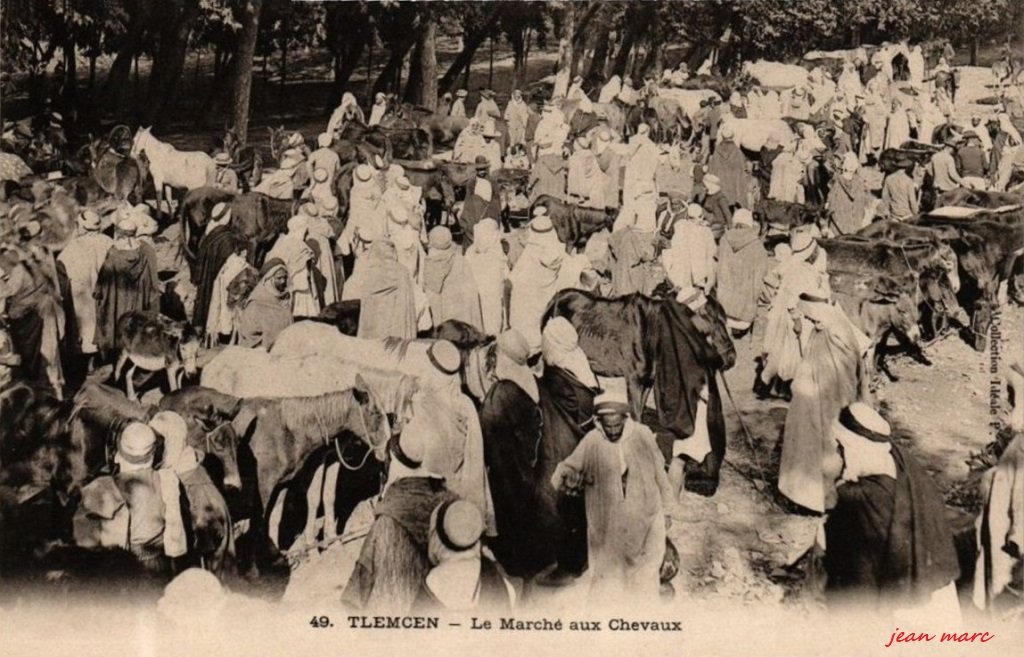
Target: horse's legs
[
  {"x": 313, "y": 498},
  {"x": 330, "y": 489},
  {"x": 173, "y": 380}
]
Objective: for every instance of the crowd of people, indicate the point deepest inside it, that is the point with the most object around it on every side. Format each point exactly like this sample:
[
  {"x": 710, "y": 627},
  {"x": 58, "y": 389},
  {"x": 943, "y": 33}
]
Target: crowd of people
[{"x": 578, "y": 484}]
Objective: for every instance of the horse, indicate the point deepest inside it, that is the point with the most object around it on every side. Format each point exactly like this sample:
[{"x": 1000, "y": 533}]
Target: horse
[
  {"x": 34, "y": 448},
  {"x": 316, "y": 340},
  {"x": 153, "y": 342},
  {"x": 283, "y": 433},
  {"x": 98, "y": 415},
  {"x": 170, "y": 167},
  {"x": 119, "y": 175},
  {"x": 438, "y": 190}
]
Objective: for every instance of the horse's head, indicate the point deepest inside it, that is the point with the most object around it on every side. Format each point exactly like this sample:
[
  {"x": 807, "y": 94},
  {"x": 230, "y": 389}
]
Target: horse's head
[
  {"x": 374, "y": 423},
  {"x": 946, "y": 258},
  {"x": 187, "y": 343},
  {"x": 141, "y": 139},
  {"x": 222, "y": 443}
]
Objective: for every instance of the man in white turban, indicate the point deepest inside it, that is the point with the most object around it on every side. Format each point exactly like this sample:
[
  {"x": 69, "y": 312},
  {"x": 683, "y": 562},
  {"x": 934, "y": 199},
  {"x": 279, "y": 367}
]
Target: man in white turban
[{"x": 291, "y": 248}]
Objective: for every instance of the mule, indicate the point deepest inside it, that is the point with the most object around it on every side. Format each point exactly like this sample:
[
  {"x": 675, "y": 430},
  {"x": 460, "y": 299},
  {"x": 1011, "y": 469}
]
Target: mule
[{"x": 153, "y": 343}]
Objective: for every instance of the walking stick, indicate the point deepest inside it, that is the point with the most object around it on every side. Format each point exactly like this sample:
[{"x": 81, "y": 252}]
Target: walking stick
[{"x": 746, "y": 433}]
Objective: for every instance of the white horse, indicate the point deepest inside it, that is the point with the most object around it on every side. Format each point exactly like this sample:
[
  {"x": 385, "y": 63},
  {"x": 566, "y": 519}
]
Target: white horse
[{"x": 170, "y": 167}]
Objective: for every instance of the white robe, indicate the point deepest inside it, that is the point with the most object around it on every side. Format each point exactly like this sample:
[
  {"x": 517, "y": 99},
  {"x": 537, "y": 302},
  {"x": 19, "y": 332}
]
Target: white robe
[
  {"x": 377, "y": 113},
  {"x": 220, "y": 319},
  {"x": 83, "y": 257},
  {"x": 691, "y": 259},
  {"x": 534, "y": 282}
]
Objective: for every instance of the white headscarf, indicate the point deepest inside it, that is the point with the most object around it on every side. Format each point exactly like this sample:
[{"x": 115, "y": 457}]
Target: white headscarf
[{"x": 560, "y": 348}]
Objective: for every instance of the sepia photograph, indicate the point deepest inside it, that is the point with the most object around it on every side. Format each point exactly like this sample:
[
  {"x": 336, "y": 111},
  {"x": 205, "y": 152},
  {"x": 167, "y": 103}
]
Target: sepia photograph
[{"x": 512, "y": 327}]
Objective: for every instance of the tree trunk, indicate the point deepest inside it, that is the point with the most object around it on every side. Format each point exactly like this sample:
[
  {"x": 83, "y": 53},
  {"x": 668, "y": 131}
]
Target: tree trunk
[
  {"x": 347, "y": 59},
  {"x": 597, "y": 63},
  {"x": 70, "y": 73},
  {"x": 284, "y": 63},
  {"x": 974, "y": 52},
  {"x": 168, "y": 64},
  {"x": 525, "y": 69},
  {"x": 565, "y": 53},
  {"x": 242, "y": 69},
  {"x": 115, "y": 87},
  {"x": 626, "y": 46},
  {"x": 369, "y": 69},
  {"x": 470, "y": 45},
  {"x": 428, "y": 65},
  {"x": 395, "y": 61},
  {"x": 414, "y": 85},
  {"x": 490, "y": 66},
  {"x": 92, "y": 74}
]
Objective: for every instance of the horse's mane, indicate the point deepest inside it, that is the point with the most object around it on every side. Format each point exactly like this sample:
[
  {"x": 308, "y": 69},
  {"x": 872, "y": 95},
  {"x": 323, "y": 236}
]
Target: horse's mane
[
  {"x": 322, "y": 415},
  {"x": 399, "y": 346},
  {"x": 394, "y": 389}
]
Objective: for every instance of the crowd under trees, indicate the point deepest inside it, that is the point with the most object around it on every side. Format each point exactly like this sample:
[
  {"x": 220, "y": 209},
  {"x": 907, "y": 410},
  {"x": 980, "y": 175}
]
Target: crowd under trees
[{"x": 46, "y": 42}]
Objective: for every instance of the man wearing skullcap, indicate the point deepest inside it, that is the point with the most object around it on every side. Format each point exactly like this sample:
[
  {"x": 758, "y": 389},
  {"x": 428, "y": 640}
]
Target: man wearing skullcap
[
  {"x": 849, "y": 199},
  {"x": 787, "y": 176},
  {"x": 729, "y": 165},
  {"x": 320, "y": 238},
  {"x": 511, "y": 425},
  {"x": 289, "y": 176},
  {"x": 448, "y": 281},
  {"x": 717, "y": 208},
  {"x": 268, "y": 310},
  {"x": 620, "y": 471},
  {"x": 324, "y": 157},
  {"x": 470, "y": 143},
  {"x": 743, "y": 263},
  {"x": 887, "y": 539},
  {"x": 459, "y": 106},
  {"x": 674, "y": 174},
  {"x": 215, "y": 247},
  {"x": 972, "y": 162},
  {"x": 517, "y": 116},
  {"x": 488, "y": 263},
  {"x": 82, "y": 259},
  {"x": 567, "y": 390},
  {"x": 385, "y": 290},
  {"x": 212, "y": 535},
  {"x": 534, "y": 277},
  {"x": 549, "y": 171},
  {"x": 803, "y": 268},
  {"x": 394, "y": 559},
  {"x": 825, "y": 381},
  {"x": 639, "y": 191},
  {"x": 127, "y": 281},
  {"x": 690, "y": 257},
  {"x": 482, "y": 200},
  {"x": 462, "y": 578},
  {"x": 138, "y": 507},
  {"x": 366, "y": 213},
  {"x": 611, "y": 171},
  {"x": 225, "y": 177}
]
